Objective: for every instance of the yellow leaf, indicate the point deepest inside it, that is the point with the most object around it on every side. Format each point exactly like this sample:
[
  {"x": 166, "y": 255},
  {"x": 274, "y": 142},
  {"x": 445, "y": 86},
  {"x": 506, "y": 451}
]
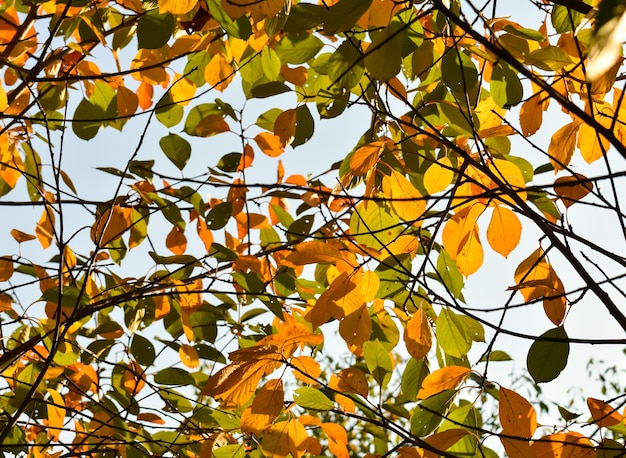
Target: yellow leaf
[
  {"x": 417, "y": 335},
  {"x": 6, "y": 268},
  {"x": 531, "y": 114},
  {"x": 176, "y": 241},
  {"x": 259, "y": 10},
  {"x": 406, "y": 201},
  {"x": 562, "y": 145},
  {"x": 306, "y": 369},
  {"x": 591, "y": 144},
  {"x": 45, "y": 228},
  {"x": 313, "y": 252},
  {"x": 149, "y": 67},
  {"x": 504, "y": 230},
  {"x": 356, "y": 328},
  {"x": 572, "y": 188},
  {"x": 183, "y": 90},
  {"x": 188, "y": 356},
  {"x": 4, "y": 102},
  {"x": 603, "y": 414},
  {"x": 285, "y": 127},
  {"x": 56, "y": 414},
  {"x": 438, "y": 176},
  {"x": 563, "y": 445},
  {"x": 403, "y": 244},
  {"x": 511, "y": 175},
  {"x": 461, "y": 240},
  {"x": 265, "y": 408},
  {"x": 350, "y": 380},
  {"x": 446, "y": 378},
  {"x": 365, "y": 158},
  {"x": 176, "y": 6},
  {"x": 219, "y": 72},
  {"x": 370, "y": 284},
  {"x": 162, "y": 306},
  {"x": 270, "y": 144},
  {"x": 517, "y": 416}
]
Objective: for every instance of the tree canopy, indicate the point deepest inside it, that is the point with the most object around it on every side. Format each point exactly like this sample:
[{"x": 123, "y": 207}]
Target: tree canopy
[{"x": 199, "y": 292}]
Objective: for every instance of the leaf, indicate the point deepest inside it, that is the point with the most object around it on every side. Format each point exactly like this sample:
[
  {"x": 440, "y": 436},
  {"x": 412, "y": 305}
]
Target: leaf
[
  {"x": 4, "y": 103},
  {"x": 438, "y": 176},
  {"x": 175, "y": 241},
  {"x": 21, "y": 237},
  {"x": 218, "y": 72},
  {"x": 406, "y": 201},
  {"x": 417, "y": 335},
  {"x": 378, "y": 361},
  {"x": 177, "y": 149},
  {"x": 350, "y": 380},
  {"x": 573, "y": 188},
  {"x": 298, "y": 48},
  {"x": 458, "y": 72},
  {"x": 110, "y": 224},
  {"x": 312, "y": 398},
  {"x": 569, "y": 444},
  {"x": 56, "y": 414},
  {"x": 547, "y": 359},
  {"x": 6, "y": 268},
  {"x": 176, "y": 6},
  {"x": 285, "y": 127},
  {"x": 461, "y": 239},
  {"x": 189, "y": 356},
  {"x": 446, "y": 378},
  {"x": 504, "y": 231},
  {"x": 603, "y": 414},
  {"x": 453, "y": 333},
  {"x": 365, "y": 158},
  {"x": 356, "y": 327},
  {"x": 517, "y": 416},
  {"x": 343, "y": 15},
  {"x": 531, "y": 114},
  {"x": 265, "y": 408},
  {"x": 45, "y": 228},
  {"x": 270, "y": 144},
  {"x": 562, "y": 145},
  {"x": 592, "y": 145}
]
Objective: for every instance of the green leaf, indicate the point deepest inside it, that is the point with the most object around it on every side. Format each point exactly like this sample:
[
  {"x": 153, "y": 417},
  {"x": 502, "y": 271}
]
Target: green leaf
[
  {"x": 154, "y": 30},
  {"x": 269, "y": 89},
  {"x": 506, "y": 88},
  {"x": 185, "y": 259},
  {"x": 547, "y": 359},
  {"x": 429, "y": 413},
  {"x": 229, "y": 162},
  {"x": 239, "y": 28},
  {"x": 522, "y": 32},
  {"x": 564, "y": 19},
  {"x": 457, "y": 120},
  {"x": 87, "y": 120},
  {"x": 312, "y": 398},
  {"x": 143, "y": 350},
  {"x": 177, "y": 149},
  {"x": 449, "y": 274},
  {"x": 378, "y": 361},
  {"x": 70, "y": 296},
  {"x": 168, "y": 113},
  {"x": 270, "y": 62},
  {"x": 453, "y": 334},
  {"x": 345, "y": 65},
  {"x": 199, "y": 113},
  {"x": 458, "y": 71},
  {"x": 305, "y": 126},
  {"x": 173, "y": 376},
  {"x": 229, "y": 451},
  {"x": 383, "y": 58},
  {"x": 496, "y": 355},
  {"x": 414, "y": 374},
  {"x": 550, "y": 58},
  {"x": 375, "y": 226},
  {"x": 342, "y": 16},
  {"x": 298, "y": 48},
  {"x": 304, "y": 16},
  {"x": 219, "y": 215}
]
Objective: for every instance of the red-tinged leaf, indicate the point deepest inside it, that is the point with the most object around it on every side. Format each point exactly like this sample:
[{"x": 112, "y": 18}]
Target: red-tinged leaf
[
  {"x": 247, "y": 158},
  {"x": 45, "y": 228},
  {"x": 444, "y": 440},
  {"x": 270, "y": 144},
  {"x": 21, "y": 237},
  {"x": 189, "y": 356},
  {"x": 562, "y": 145},
  {"x": 176, "y": 241},
  {"x": 417, "y": 335},
  {"x": 446, "y": 378},
  {"x": 350, "y": 380},
  {"x": 563, "y": 445},
  {"x": 150, "y": 417},
  {"x": 517, "y": 416},
  {"x": 365, "y": 158},
  {"x": 571, "y": 189},
  {"x": 211, "y": 125},
  {"x": 127, "y": 102},
  {"x": 438, "y": 176},
  {"x": 285, "y": 127},
  {"x": 504, "y": 230},
  {"x": 266, "y": 407},
  {"x": 219, "y": 72},
  {"x": 592, "y": 145},
  {"x": 602, "y": 413},
  {"x": 56, "y": 414}
]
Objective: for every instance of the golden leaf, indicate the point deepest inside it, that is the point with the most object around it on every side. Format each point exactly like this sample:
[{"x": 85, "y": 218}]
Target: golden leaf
[
  {"x": 365, "y": 158},
  {"x": 438, "y": 176},
  {"x": 127, "y": 101},
  {"x": 417, "y": 335},
  {"x": 562, "y": 143},
  {"x": 21, "y": 237},
  {"x": 219, "y": 72},
  {"x": 444, "y": 440},
  {"x": 4, "y": 101},
  {"x": 270, "y": 144},
  {"x": 285, "y": 127},
  {"x": 265, "y": 408},
  {"x": 247, "y": 158},
  {"x": 356, "y": 328},
  {"x": 176, "y": 241},
  {"x": 531, "y": 114},
  {"x": 6, "y": 268},
  {"x": 189, "y": 356},
  {"x": 110, "y": 224},
  {"x": 306, "y": 369},
  {"x": 563, "y": 445},
  {"x": 259, "y": 10},
  {"x": 461, "y": 239},
  {"x": 517, "y": 416},
  {"x": 446, "y": 378},
  {"x": 176, "y": 6},
  {"x": 350, "y": 380},
  {"x": 182, "y": 90},
  {"x": 504, "y": 230},
  {"x": 406, "y": 201},
  {"x": 56, "y": 414},
  {"x": 45, "y": 228},
  {"x": 603, "y": 414},
  {"x": 591, "y": 144}
]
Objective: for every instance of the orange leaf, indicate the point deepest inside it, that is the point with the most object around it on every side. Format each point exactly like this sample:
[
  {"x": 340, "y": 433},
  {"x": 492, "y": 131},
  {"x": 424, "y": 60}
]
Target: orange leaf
[
  {"x": 356, "y": 328},
  {"x": 446, "y": 378},
  {"x": 406, "y": 201},
  {"x": 444, "y": 440},
  {"x": 572, "y": 188},
  {"x": 6, "y": 268},
  {"x": 270, "y": 144},
  {"x": 461, "y": 239},
  {"x": 204, "y": 233},
  {"x": 563, "y": 445},
  {"x": 531, "y": 114},
  {"x": 133, "y": 378},
  {"x": 176, "y": 6},
  {"x": 562, "y": 145},
  {"x": 4, "y": 101},
  {"x": 350, "y": 380},
  {"x": 56, "y": 414},
  {"x": 110, "y": 224},
  {"x": 211, "y": 125},
  {"x": 21, "y": 237},
  {"x": 365, "y": 158},
  {"x": 306, "y": 369},
  {"x": 5, "y": 303},
  {"x": 603, "y": 414},
  {"x": 176, "y": 241},
  {"x": 314, "y": 252},
  {"x": 517, "y": 416},
  {"x": 247, "y": 158},
  {"x": 591, "y": 144},
  {"x": 417, "y": 335},
  {"x": 219, "y": 72},
  {"x": 504, "y": 230},
  {"x": 265, "y": 408},
  {"x": 518, "y": 448},
  {"x": 145, "y": 93},
  {"x": 127, "y": 101},
  {"x": 285, "y": 127},
  {"x": 188, "y": 356},
  {"x": 45, "y": 228},
  {"x": 151, "y": 417},
  {"x": 397, "y": 89},
  {"x": 438, "y": 176},
  {"x": 296, "y": 76},
  {"x": 335, "y": 431}
]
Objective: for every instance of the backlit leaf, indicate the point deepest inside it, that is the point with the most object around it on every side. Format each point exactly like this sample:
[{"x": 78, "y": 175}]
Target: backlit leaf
[
  {"x": 270, "y": 144},
  {"x": 602, "y": 413},
  {"x": 517, "y": 416},
  {"x": 562, "y": 145},
  {"x": 573, "y": 188},
  {"x": 446, "y": 378},
  {"x": 438, "y": 176},
  {"x": 504, "y": 231},
  {"x": 265, "y": 408},
  {"x": 417, "y": 335}
]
